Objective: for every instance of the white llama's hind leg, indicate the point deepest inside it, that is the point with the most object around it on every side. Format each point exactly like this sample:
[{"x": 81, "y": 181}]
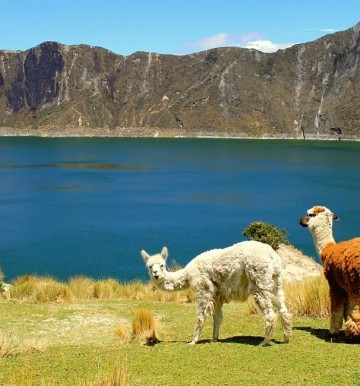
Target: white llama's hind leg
[
  {"x": 264, "y": 301},
  {"x": 285, "y": 316},
  {"x": 218, "y": 316}
]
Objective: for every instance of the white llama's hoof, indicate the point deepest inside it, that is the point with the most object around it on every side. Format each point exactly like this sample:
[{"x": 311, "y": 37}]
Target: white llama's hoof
[
  {"x": 192, "y": 343},
  {"x": 266, "y": 343}
]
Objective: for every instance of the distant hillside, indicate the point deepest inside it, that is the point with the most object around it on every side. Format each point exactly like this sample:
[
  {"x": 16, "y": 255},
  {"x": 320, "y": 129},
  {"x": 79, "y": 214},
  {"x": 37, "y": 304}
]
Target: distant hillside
[{"x": 303, "y": 91}]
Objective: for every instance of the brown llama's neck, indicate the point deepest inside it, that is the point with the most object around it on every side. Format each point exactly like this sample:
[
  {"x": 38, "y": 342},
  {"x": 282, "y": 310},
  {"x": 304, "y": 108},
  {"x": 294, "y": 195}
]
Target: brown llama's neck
[{"x": 322, "y": 236}]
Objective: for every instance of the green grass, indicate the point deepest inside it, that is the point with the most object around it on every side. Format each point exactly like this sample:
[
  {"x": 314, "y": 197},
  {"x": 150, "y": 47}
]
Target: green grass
[{"x": 81, "y": 345}]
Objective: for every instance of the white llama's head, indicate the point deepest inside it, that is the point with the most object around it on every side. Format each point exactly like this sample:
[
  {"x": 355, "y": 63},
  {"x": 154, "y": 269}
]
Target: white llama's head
[
  {"x": 156, "y": 264},
  {"x": 318, "y": 216}
]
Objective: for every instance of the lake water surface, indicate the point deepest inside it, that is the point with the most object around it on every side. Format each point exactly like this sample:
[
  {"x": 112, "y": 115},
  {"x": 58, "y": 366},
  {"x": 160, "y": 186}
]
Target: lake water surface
[{"x": 75, "y": 206}]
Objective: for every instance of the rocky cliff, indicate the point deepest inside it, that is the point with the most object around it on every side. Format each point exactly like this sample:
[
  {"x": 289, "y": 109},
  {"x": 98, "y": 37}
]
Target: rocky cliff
[{"x": 302, "y": 92}]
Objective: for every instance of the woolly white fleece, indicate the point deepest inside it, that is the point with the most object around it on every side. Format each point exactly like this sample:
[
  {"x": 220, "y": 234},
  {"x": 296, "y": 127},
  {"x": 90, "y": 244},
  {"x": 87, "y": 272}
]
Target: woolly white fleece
[{"x": 221, "y": 275}]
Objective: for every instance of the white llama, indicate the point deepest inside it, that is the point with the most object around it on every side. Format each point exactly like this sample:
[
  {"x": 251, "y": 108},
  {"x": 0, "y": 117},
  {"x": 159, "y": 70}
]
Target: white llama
[
  {"x": 221, "y": 275},
  {"x": 341, "y": 262}
]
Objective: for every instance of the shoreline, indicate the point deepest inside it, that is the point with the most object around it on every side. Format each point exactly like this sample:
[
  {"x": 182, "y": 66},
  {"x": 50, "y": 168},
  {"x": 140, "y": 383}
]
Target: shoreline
[{"x": 75, "y": 132}]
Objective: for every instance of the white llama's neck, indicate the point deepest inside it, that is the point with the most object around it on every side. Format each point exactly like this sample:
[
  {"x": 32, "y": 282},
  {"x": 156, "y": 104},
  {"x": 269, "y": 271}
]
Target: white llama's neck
[
  {"x": 322, "y": 236},
  {"x": 176, "y": 281}
]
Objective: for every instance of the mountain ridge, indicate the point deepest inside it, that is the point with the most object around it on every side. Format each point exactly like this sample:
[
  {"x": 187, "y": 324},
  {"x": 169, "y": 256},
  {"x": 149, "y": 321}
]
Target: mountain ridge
[{"x": 307, "y": 91}]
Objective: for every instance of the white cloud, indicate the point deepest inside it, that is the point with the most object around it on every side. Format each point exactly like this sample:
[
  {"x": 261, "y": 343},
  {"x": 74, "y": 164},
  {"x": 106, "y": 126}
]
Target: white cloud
[
  {"x": 267, "y": 45},
  {"x": 330, "y": 30},
  {"x": 250, "y": 40}
]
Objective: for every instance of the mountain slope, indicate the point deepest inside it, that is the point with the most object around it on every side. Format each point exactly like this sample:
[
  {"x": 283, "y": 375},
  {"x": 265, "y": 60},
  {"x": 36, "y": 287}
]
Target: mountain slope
[{"x": 303, "y": 91}]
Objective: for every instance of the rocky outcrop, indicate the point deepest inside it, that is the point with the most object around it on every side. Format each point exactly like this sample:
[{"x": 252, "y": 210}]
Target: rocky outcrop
[
  {"x": 297, "y": 266},
  {"x": 301, "y": 92}
]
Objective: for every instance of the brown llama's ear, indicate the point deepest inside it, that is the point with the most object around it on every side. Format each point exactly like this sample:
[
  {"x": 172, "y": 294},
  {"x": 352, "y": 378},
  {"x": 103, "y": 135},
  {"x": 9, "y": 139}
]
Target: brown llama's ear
[
  {"x": 164, "y": 253},
  {"x": 145, "y": 255}
]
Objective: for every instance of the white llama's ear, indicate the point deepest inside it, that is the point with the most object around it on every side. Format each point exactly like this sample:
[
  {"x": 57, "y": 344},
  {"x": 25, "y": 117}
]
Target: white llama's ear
[
  {"x": 145, "y": 255},
  {"x": 164, "y": 253}
]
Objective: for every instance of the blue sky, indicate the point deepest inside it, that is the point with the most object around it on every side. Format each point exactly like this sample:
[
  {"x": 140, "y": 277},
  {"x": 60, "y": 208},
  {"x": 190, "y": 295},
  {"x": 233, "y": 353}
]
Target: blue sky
[{"x": 173, "y": 26}]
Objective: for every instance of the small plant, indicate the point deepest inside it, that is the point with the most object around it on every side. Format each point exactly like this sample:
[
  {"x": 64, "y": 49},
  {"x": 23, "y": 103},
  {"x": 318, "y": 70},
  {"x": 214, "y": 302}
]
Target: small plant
[
  {"x": 266, "y": 233},
  {"x": 144, "y": 326}
]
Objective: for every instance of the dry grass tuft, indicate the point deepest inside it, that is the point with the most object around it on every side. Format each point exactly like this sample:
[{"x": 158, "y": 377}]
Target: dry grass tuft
[
  {"x": 145, "y": 326},
  {"x": 123, "y": 333},
  {"x": 118, "y": 377},
  {"x": 39, "y": 289},
  {"x": 9, "y": 345},
  {"x": 34, "y": 345},
  {"x": 46, "y": 289},
  {"x": 309, "y": 298},
  {"x": 81, "y": 287},
  {"x": 106, "y": 289}
]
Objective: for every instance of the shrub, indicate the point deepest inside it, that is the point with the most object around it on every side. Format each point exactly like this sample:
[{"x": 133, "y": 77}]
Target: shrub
[{"x": 266, "y": 233}]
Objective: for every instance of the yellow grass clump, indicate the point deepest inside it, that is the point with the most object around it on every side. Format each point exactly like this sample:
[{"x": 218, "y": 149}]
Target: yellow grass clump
[
  {"x": 119, "y": 376},
  {"x": 9, "y": 345},
  {"x": 123, "y": 333},
  {"x": 39, "y": 289},
  {"x": 309, "y": 298},
  {"x": 145, "y": 326},
  {"x": 81, "y": 287}
]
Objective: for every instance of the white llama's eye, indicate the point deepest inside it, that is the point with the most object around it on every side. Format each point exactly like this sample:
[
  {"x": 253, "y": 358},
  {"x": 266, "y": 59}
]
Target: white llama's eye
[
  {"x": 150, "y": 266},
  {"x": 162, "y": 266}
]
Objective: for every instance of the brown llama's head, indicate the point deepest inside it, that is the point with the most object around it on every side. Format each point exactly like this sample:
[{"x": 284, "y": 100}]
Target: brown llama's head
[{"x": 318, "y": 215}]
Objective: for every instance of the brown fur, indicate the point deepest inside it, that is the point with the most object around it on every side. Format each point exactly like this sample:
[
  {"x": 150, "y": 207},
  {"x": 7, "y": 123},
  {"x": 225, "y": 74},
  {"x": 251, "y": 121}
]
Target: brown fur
[
  {"x": 341, "y": 263},
  {"x": 342, "y": 269}
]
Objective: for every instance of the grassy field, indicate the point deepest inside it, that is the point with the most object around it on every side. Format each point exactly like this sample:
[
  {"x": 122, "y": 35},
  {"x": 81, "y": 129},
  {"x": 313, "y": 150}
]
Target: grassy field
[{"x": 88, "y": 342}]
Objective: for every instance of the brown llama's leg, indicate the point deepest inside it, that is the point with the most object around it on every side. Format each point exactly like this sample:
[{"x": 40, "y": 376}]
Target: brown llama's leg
[
  {"x": 352, "y": 323},
  {"x": 338, "y": 300}
]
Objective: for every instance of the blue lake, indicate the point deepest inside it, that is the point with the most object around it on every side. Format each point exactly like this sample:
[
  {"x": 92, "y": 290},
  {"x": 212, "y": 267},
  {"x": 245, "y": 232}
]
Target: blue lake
[{"x": 75, "y": 206}]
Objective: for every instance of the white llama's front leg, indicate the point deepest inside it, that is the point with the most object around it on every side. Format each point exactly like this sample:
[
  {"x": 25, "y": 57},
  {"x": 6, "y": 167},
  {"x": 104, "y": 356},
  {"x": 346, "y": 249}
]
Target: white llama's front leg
[
  {"x": 218, "y": 316},
  {"x": 201, "y": 317},
  {"x": 264, "y": 302}
]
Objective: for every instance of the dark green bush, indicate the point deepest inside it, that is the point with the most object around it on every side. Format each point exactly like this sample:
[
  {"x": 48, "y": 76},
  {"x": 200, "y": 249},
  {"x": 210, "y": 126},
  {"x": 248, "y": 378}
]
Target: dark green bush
[{"x": 266, "y": 233}]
